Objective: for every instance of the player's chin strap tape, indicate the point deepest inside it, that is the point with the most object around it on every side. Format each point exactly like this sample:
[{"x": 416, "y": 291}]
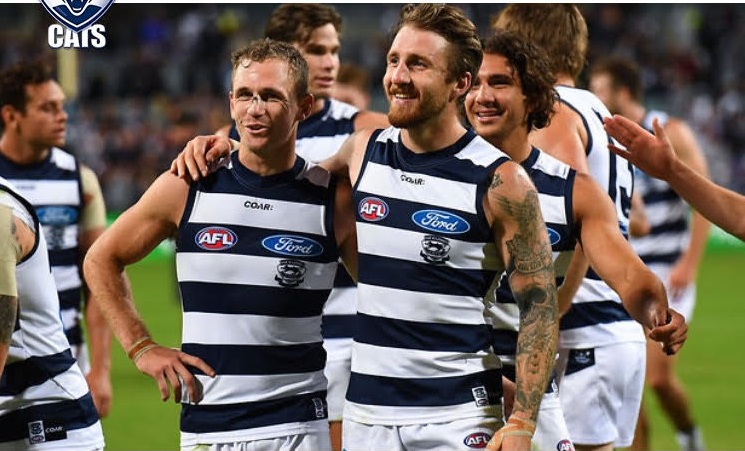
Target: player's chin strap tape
[{"x": 515, "y": 427}]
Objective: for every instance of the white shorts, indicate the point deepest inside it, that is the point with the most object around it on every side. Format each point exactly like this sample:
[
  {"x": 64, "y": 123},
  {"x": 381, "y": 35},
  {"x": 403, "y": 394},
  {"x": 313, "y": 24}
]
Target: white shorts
[
  {"x": 601, "y": 391},
  {"x": 300, "y": 442},
  {"x": 685, "y": 301},
  {"x": 551, "y": 432},
  {"x": 466, "y": 435},
  {"x": 337, "y": 371}
]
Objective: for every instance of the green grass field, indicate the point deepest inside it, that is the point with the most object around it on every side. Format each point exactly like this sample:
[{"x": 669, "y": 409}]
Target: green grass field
[{"x": 710, "y": 363}]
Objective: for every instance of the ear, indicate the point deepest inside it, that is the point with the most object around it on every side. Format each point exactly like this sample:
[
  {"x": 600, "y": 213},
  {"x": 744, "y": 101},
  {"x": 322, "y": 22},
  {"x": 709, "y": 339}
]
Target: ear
[
  {"x": 231, "y": 101},
  {"x": 8, "y": 113},
  {"x": 306, "y": 106},
  {"x": 462, "y": 86}
]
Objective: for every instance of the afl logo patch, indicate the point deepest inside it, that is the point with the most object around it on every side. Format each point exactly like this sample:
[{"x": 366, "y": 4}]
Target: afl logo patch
[
  {"x": 216, "y": 238},
  {"x": 373, "y": 209},
  {"x": 440, "y": 221},
  {"x": 291, "y": 245},
  {"x": 553, "y": 235},
  {"x": 477, "y": 440}
]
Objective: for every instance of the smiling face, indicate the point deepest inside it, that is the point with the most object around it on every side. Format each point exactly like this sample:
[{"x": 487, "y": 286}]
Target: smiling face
[
  {"x": 264, "y": 105},
  {"x": 416, "y": 76},
  {"x": 321, "y": 52},
  {"x": 495, "y": 106}
]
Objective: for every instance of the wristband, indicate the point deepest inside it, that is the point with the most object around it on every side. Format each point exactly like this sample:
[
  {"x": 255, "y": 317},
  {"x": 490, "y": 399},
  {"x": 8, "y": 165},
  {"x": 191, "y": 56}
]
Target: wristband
[
  {"x": 136, "y": 349},
  {"x": 520, "y": 426}
]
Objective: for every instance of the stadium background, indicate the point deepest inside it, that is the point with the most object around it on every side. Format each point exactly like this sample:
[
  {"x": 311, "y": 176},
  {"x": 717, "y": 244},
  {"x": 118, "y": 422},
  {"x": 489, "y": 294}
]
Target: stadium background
[{"x": 163, "y": 77}]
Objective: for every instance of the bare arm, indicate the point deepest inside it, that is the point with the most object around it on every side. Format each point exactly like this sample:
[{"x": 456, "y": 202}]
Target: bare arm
[
  {"x": 370, "y": 119},
  {"x": 347, "y": 161},
  {"x": 522, "y": 240},
  {"x": 132, "y": 236},
  {"x": 638, "y": 222},
  {"x": 17, "y": 241},
  {"x": 654, "y": 155},
  {"x": 565, "y": 138},
  {"x": 92, "y": 225},
  {"x": 345, "y": 228},
  {"x": 572, "y": 279},
  {"x": 686, "y": 147},
  {"x": 615, "y": 261}
]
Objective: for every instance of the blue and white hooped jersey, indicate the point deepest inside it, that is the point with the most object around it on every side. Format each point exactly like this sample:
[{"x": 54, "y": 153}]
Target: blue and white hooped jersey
[
  {"x": 256, "y": 259},
  {"x": 554, "y": 181},
  {"x": 320, "y": 136},
  {"x": 53, "y": 187},
  {"x": 668, "y": 214},
  {"x": 44, "y": 399},
  {"x": 422, "y": 346},
  {"x": 597, "y": 316}
]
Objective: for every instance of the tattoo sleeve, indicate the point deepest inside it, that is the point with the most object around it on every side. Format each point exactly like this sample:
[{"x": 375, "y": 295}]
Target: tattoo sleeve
[
  {"x": 533, "y": 285},
  {"x": 8, "y": 312}
]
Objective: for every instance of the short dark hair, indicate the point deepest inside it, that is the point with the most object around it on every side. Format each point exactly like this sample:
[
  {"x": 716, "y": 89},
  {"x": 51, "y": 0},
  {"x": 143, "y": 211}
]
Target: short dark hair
[
  {"x": 265, "y": 49},
  {"x": 531, "y": 64},
  {"x": 295, "y": 22},
  {"x": 15, "y": 78},
  {"x": 623, "y": 72},
  {"x": 452, "y": 24}
]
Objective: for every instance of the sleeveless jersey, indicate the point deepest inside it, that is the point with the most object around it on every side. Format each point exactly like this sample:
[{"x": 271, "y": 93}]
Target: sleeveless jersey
[
  {"x": 256, "y": 259},
  {"x": 320, "y": 136},
  {"x": 554, "y": 181},
  {"x": 53, "y": 187},
  {"x": 44, "y": 398},
  {"x": 666, "y": 211},
  {"x": 597, "y": 316},
  {"x": 422, "y": 346}
]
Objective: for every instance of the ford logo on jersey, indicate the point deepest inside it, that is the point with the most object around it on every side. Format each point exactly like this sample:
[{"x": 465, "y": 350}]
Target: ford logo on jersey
[
  {"x": 440, "y": 221},
  {"x": 57, "y": 215},
  {"x": 553, "y": 235},
  {"x": 216, "y": 238},
  {"x": 292, "y": 245},
  {"x": 373, "y": 209}
]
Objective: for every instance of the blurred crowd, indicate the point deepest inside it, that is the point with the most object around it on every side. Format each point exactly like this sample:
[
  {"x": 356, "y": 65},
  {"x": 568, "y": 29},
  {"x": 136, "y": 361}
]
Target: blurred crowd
[{"x": 163, "y": 75}]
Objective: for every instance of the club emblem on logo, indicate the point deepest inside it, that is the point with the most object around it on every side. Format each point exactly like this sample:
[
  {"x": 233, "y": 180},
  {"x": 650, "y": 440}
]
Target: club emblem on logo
[
  {"x": 290, "y": 273},
  {"x": 435, "y": 249},
  {"x": 77, "y": 14}
]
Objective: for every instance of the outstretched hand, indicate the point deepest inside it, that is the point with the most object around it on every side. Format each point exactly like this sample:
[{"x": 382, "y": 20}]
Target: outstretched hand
[
  {"x": 168, "y": 366},
  {"x": 200, "y": 156},
  {"x": 652, "y": 154},
  {"x": 671, "y": 334}
]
